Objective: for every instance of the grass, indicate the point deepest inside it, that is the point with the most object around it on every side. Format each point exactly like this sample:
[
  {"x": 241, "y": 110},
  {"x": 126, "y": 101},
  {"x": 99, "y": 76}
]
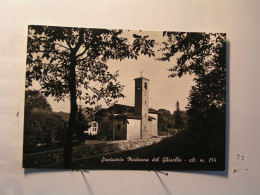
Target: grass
[
  {"x": 183, "y": 145},
  {"x": 186, "y": 146}
]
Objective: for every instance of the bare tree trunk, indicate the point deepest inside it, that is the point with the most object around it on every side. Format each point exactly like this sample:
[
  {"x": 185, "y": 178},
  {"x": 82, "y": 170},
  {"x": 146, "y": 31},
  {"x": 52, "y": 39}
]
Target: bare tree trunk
[
  {"x": 72, "y": 119},
  {"x": 73, "y": 103}
]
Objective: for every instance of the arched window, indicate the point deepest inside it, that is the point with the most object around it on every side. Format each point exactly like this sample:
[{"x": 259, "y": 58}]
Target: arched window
[{"x": 145, "y": 85}]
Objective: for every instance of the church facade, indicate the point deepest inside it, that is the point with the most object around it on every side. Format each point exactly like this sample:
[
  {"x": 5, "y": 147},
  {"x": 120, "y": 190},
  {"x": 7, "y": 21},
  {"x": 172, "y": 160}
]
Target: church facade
[{"x": 122, "y": 122}]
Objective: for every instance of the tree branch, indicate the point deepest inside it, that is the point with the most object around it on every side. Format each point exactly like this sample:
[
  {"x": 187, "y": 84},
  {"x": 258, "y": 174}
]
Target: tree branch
[
  {"x": 82, "y": 53},
  {"x": 62, "y": 45},
  {"x": 98, "y": 93},
  {"x": 80, "y": 41},
  {"x": 67, "y": 41}
]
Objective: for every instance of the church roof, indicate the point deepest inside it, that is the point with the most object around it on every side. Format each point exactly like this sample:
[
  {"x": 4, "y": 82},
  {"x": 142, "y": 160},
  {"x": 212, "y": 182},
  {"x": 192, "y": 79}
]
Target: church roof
[
  {"x": 119, "y": 108},
  {"x": 153, "y": 111},
  {"x": 141, "y": 78},
  {"x": 128, "y": 116},
  {"x": 129, "y": 109},
  {"x": 124, "y": 111}
]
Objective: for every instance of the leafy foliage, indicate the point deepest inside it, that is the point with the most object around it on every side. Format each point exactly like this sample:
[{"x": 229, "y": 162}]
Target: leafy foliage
[
  {"x": 179, "y": 117},
  {"x": 34, "y": 99},
  {"x": 171, "y": 123},
  {"x": 202, "y": 55},
  {"x": 51, "y": 51},
  {"x": 165, "y": 121},
  {"x": 41, "y": 125},
  {"x": 81, "y": 126},
  {"x": 72, "y": 62}
]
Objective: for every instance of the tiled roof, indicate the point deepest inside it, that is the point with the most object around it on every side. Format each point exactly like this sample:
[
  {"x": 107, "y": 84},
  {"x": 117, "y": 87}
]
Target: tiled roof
[
  {"x": 142, "y": 78},
  {"x": 127, "y": 111}
]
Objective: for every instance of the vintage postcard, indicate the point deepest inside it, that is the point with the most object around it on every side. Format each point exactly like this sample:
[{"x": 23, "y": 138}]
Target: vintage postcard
[{"x": 124, "y": 99}]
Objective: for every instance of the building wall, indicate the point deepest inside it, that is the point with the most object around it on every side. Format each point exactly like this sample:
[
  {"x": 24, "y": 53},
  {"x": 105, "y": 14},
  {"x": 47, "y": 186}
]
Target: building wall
[
  {"x": 113, "y": 129},
  {"x": 142, "y": 104},
  {"x": 133, "y": 129},
  {"x": 93, "y": 128},
  {"x": 119, "y": 128},
  {"x": 154, "y": 124},
  {"x": 105, "y": 127}
]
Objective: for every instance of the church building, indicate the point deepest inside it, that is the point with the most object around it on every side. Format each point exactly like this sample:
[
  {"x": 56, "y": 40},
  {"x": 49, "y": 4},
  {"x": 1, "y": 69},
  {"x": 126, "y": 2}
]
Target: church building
[{"x": 122, "y": 122}]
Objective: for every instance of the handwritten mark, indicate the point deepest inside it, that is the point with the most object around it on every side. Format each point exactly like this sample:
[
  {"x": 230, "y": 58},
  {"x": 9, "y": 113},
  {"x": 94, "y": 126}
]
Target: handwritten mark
[{"x": 17, "y": 116}]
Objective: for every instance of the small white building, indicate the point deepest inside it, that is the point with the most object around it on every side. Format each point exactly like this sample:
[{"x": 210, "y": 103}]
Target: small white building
[{"x": 93, "y": 128}]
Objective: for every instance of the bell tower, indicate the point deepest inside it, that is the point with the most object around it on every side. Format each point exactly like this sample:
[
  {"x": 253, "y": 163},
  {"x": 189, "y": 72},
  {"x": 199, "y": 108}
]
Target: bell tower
[{"x": 142, "y": 103}]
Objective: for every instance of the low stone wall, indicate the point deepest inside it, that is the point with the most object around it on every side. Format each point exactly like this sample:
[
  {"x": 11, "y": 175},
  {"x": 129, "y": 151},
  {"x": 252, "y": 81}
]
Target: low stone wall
[
  {"x": 134, "y": 144},
  {"x": 43, "y": 159}
]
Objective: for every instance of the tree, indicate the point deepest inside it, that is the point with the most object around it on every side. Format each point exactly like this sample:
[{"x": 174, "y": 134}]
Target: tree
[
  {"x": 178, "y": 118},
  {"x": 33, "y": 100},
  {"x": 202, "y": 55},
  {"x": 81, "y": 126},
  {"x": 165, "y": 121},
  {"x": 41, "y": 124},
  {"x": 67, "y": 61}
]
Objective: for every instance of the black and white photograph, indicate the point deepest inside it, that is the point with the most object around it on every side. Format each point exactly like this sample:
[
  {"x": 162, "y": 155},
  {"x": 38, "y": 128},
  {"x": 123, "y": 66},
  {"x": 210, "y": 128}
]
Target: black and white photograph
[{"x": 112, "y": 99}]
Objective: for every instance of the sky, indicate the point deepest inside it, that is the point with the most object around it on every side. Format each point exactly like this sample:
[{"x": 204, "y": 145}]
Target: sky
[{"x": 164, "y": 91}]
